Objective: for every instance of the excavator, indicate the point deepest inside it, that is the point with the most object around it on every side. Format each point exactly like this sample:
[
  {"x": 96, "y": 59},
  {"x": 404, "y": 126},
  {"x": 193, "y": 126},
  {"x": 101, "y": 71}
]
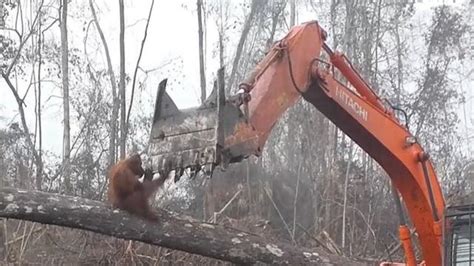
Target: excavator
[{"x": 225, "y": 130}]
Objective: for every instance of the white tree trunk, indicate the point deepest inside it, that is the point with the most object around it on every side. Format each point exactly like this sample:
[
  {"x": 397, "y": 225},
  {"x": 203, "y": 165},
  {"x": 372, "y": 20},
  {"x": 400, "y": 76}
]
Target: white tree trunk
[
  {"x": 65, "y": 83},
  {"x": 123, "y": 124}
]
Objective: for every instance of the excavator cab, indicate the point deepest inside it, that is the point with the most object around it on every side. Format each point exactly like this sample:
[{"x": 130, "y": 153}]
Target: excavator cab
[{"x": 459, "y": 235}]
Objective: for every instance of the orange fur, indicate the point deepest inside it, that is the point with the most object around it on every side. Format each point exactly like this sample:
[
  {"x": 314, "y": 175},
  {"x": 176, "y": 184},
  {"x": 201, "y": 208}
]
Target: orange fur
[{"x": 126, "y": 192}]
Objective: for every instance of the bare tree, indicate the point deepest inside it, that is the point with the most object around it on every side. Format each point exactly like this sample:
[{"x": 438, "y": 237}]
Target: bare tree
[
  {"x": 344, "y": 208},
  {"x": 345, "y": 196},
  {"x": 138, "y": 63},
  {"x": 292, "y": 12},
  {"x": 6, "y": 71},
  {"x": 39, "y": 175},
  {"x": 219, "y": 13},
  {"x": 254, "y": 9},
  {"x": 201, "y": 51},
  {"x": 65, "y": 83},
  {"x": 276, "y": 16},
  {"x": 115, "y": 105},
  {"x": 123, "y": 125}
]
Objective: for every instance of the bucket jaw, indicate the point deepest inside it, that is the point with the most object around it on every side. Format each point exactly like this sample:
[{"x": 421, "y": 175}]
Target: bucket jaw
[{"x": 194, "y": 139}]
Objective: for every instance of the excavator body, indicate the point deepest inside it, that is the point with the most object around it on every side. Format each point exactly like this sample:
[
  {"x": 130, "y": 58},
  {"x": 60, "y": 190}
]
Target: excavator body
[{"x": 226, "y": 130}]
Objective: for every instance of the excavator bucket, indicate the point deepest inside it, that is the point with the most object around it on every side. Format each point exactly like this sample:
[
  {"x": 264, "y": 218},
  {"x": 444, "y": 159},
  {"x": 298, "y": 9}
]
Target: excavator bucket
[{"x": 190, "y": 139}]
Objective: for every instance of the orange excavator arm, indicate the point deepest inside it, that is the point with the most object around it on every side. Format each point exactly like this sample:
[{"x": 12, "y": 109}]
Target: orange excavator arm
[{"x": 223, "y": 131}]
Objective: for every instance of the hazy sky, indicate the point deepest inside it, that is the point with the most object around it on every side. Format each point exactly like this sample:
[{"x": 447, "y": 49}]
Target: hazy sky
[{"x": 172, "y": 37}]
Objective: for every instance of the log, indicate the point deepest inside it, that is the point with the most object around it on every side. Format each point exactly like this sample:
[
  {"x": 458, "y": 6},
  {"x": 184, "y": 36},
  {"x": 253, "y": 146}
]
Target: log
[{"x": 172, "y": 231}]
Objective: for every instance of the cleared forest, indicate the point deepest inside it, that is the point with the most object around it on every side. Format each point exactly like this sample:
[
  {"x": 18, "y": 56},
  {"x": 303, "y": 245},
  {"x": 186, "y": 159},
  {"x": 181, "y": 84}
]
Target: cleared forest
[{"x": 79, "y": 81}]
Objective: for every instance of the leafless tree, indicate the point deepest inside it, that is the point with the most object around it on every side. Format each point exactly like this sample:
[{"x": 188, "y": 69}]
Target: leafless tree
[
  {"x": 6, "y": 72},
  {"x": 292, "y": 12},
  {"x": 310, "y": 187},
  {"x": 115, "y": 100},
  {"x": 255, "y": 8},
  {"x": 65, "y": 85},
  {"x": 137, "y": 66},
  {"x": 202, "y": 72},
  {"x": 123, "y": 125}
]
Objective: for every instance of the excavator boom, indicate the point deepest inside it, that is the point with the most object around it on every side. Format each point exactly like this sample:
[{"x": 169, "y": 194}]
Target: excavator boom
[
  {"x": 226, "y": 130},
  {"x": 190, "y": 138}
]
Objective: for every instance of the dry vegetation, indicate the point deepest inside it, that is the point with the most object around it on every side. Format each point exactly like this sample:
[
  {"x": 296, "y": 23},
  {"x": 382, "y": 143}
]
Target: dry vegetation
[{"x": 311, "y": 177}]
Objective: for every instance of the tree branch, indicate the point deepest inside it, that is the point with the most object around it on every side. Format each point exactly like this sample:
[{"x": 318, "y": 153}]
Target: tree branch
[
  {"x": 179, "y": 233},
  {"x": 20, "y": 103},
  {"x": 243, "y": 37},
  {"x": 123, "y": 125},
  {"x": 23, "y": 42},
  {"x": 113, "y": 83},
  {"x": 138, "y": 64}
]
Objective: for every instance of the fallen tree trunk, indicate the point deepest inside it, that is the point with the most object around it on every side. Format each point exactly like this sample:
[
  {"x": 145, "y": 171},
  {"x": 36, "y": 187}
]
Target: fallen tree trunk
[{"x": 172, "y": 231}]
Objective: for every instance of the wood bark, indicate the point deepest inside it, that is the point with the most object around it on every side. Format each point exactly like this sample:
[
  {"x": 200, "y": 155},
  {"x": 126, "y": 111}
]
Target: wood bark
[
  {"x": 172, "y": 231},
  {"x": 292, "y": 13},
  {"x": 221, "y": 36},
  {"x": 65, "y": 83},
  {"x": 344, "y": 208},
  {"x": 201, "y": 51},
  {"x": 123, "y": 125},
  {"x": 39, "y": 163}
]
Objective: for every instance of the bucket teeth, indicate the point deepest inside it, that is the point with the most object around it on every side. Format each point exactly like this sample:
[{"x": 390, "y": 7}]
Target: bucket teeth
[{"x": 190, "y": 138}]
